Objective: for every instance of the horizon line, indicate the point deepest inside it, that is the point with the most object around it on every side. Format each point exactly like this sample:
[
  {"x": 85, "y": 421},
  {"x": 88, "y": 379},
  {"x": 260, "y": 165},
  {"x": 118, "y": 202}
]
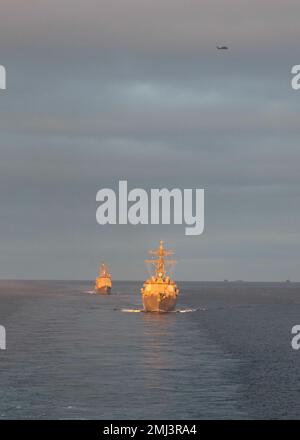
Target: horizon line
[{"x": 236, "y": 281}]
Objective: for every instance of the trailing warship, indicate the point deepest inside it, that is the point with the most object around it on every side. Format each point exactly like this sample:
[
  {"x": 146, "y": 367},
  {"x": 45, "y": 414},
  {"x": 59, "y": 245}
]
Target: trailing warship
[
  {"x": 159, "y": 293},
  {"x": 103, "y": 281}
]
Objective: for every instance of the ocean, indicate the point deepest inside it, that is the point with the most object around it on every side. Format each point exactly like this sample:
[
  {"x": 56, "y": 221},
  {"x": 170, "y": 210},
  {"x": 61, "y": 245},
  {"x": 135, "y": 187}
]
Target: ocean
[{"x": 224, "y": 354}]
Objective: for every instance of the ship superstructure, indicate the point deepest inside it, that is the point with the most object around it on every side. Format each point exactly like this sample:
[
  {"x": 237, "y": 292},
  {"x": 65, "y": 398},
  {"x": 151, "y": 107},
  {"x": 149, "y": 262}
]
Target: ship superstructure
[
  {"x": 159, "y": 292},
  {"x": 103, "y": 282}
]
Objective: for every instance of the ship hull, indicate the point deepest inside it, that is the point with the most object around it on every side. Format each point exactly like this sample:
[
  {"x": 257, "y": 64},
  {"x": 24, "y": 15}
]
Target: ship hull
[
  {"x": 103, "y": 290},
  {"x": 159, "y": 303}
]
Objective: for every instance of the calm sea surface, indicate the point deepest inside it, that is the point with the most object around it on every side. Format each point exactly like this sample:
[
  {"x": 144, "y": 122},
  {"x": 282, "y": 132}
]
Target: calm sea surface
[{"x": 226, "y": 354}]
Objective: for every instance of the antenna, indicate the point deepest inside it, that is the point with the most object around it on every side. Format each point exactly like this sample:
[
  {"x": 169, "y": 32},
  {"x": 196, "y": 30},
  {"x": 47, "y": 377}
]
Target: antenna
[{"x": 160, "y": 262}]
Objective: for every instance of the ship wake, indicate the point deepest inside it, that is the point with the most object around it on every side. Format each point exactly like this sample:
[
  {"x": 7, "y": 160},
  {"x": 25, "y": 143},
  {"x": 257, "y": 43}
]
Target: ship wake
[{"x": 173, "y": 311}]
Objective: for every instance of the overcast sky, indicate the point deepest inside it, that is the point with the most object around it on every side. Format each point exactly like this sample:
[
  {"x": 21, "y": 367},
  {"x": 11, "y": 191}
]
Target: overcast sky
[{"x": 100, "y": 91}]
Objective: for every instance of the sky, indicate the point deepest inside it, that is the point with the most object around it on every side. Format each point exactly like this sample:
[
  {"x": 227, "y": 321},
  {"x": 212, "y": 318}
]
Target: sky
[{"x": 101, "y": 91}]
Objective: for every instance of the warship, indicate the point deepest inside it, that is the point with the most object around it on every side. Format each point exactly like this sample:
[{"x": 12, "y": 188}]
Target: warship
[
  {"x": 103, "y": 281},
  {"x": 159, "y": 292}
]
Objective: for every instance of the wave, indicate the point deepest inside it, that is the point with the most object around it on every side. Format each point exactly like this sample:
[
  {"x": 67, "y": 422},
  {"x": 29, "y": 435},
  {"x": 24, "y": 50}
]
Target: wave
[{"x": 174, "y": 311}]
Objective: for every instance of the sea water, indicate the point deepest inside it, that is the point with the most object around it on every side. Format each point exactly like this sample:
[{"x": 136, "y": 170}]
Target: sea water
[{"x": 71, "y": 354}]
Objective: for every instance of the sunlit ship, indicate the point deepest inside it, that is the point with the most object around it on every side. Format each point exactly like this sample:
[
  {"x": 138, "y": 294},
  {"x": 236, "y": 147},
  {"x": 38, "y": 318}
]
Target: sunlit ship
[
  {"x": 159, "y": 293},
  {"x": 103, "y": 282}
]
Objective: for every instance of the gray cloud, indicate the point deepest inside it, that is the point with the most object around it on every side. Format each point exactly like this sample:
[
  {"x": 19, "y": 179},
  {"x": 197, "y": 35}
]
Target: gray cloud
[
  {"x": 104, "y": 90},
  {"x": 159, "y": 25}
]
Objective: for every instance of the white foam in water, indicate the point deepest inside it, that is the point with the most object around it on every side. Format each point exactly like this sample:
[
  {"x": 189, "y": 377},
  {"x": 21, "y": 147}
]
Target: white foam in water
[
  {"x": 90, "y": 292},
  {"x": 187, "y": 310},
  {"x": 174, "y": 311}
]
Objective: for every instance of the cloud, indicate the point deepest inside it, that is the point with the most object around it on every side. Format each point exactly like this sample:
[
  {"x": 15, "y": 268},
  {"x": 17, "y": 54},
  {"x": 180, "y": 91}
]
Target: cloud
[
  {"x": 140, "y": 25},
  {"x": 104, "y": 90}
]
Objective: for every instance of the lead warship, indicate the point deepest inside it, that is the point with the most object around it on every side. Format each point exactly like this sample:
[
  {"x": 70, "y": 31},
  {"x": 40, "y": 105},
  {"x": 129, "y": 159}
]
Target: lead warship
[
  {"x": 103, "y": 281},
  {"x": 159, "y": 293}
]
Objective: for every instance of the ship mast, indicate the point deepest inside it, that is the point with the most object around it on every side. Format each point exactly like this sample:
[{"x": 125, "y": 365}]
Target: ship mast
[
  {"x": 103, "y": 271},
  {"x": 160, "y": 262}
]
